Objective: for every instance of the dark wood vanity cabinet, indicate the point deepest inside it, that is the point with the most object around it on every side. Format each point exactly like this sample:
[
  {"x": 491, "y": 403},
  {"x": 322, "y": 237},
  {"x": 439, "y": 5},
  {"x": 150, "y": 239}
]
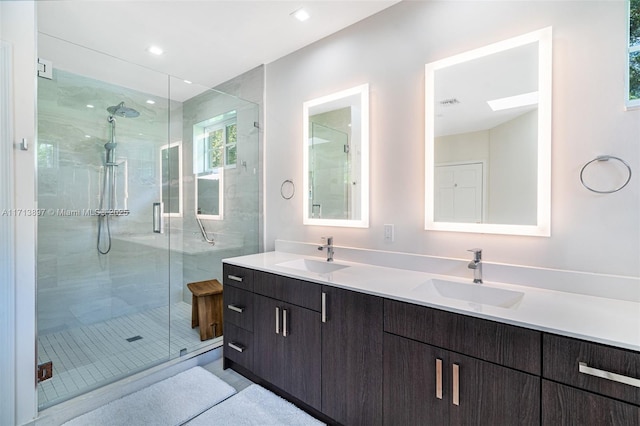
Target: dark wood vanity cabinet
[
  {"x": 319, "y": 344},
  {"x": 428, "y": 381},
  {"x": 364, "y": 360},
  {"x": 589, "y": 383},
  {"x": 352, "y": 356}
]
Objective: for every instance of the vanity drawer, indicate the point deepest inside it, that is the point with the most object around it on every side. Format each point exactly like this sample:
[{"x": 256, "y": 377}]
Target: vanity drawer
[
  {"x": 238, "y": 276},
  {"x": 567, "y": 406},
  {"x": 290, "y": 290},
  {"x": 503, "y": 344},
  {"x": 238, "y": 345},
  {"x": 580, "y": 363},
  {"x": 238, "y": 307}
]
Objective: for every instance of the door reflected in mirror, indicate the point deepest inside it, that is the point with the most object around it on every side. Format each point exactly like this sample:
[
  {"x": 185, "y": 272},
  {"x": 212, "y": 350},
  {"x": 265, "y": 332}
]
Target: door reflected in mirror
[
  {"x": 488, "y": 138},
  {"x": 336, "y": 159}
]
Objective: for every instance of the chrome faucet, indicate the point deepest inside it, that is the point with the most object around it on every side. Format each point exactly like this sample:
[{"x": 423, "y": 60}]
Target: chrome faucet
[
  {"x": 476, "y": 265},
  {"x": 329, "y": 247}
]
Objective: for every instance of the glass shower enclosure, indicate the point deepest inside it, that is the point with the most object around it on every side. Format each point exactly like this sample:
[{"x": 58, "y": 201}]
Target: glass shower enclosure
[{"x": 119, "y": 236}]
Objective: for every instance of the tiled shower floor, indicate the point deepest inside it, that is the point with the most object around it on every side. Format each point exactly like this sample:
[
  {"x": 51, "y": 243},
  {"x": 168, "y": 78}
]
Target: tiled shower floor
[{"x": 90, "y": 356}]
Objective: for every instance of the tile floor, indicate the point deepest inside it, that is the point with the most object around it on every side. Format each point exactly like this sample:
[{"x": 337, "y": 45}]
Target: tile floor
[{"x": 91, "y": 356}]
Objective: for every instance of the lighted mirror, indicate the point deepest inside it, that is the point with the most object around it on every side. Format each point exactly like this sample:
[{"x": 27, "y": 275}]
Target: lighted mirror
[
  {"x": 171, "y": 187},
  {"x": 336, "y": 159},
  {"x": 209, "y": 194},
  {"x": 488, "y": 138}
]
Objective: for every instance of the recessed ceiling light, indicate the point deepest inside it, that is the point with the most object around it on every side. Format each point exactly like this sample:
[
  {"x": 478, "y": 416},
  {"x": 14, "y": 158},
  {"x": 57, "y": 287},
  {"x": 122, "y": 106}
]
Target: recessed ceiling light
[
  {"x": 301, "y": 15},
  {"x": 90, "y": 106},
  {"x": 525, "y": 99},
  {"x": 87, "y": 136},
  {"x": 188, "y": 82},
  {"x": 155, "y": 50},
  {"x": 151, "y": 102}
]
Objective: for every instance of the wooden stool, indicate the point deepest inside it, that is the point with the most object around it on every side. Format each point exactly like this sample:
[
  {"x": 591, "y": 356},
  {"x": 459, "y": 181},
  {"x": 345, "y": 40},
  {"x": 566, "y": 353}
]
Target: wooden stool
[{"x": 206, "y": 308}]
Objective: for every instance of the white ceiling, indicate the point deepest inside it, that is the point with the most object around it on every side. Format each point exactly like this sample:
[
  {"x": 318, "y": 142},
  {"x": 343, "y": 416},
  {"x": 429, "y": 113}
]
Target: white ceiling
[{"x": 207, "y": 41}]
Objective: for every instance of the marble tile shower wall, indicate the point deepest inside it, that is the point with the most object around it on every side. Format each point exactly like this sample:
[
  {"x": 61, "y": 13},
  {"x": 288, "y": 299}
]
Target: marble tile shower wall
[{"x": 76, "y": 285}]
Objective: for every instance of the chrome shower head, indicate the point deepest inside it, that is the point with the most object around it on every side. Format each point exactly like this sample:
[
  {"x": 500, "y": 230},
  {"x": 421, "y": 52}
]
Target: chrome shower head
[{"x": 122, "y": 111}]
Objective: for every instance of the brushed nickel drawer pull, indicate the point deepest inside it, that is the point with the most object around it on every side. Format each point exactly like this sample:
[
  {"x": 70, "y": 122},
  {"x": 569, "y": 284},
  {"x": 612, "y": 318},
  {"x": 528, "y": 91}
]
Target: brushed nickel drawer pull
[
  {"x": 284, "y": 323},
  {"x": 236, "y": 308},
  {"x": 236, "y": 346},
  {"x": 585, "y": 369},
  {"x": 456, "y": 384},
  {"x": 235, "y": 278},
  {"x": 324, "y": 307},
  {"x": 277, "y": 320},
  {"x": 438, "y": 378}
]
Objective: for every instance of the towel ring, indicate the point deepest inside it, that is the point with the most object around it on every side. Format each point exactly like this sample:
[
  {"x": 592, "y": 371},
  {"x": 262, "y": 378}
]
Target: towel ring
[
  {"x": 287, "y": 189},
  {"x": 606, "y": 158}
]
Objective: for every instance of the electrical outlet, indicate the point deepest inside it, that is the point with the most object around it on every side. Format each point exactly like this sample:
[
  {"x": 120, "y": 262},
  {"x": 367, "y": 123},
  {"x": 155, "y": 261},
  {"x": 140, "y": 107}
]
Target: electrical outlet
[{"x": 389, "y": 233}]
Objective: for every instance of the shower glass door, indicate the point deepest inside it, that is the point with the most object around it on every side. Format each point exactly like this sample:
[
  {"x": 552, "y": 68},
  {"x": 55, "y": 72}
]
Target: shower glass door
[
  {"x": 102, "y": 272},
  {"x": 120, "y": 151}
]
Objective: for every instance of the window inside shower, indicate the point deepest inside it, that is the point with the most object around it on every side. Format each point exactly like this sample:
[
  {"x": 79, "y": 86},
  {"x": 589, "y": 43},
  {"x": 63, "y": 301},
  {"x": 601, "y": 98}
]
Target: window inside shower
[{"x": 112, "y": 298}]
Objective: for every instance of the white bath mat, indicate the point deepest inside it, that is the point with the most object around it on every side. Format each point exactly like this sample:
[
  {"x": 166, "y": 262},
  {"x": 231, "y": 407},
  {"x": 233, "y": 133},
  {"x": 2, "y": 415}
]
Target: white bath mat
[
  {"x": 255, "y": 406},
  {"x": 172, "y": 401}
]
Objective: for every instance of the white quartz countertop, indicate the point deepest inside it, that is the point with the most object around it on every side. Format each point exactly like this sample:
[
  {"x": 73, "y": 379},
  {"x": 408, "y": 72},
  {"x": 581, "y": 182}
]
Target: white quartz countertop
[{"x": 597, "y": 319}]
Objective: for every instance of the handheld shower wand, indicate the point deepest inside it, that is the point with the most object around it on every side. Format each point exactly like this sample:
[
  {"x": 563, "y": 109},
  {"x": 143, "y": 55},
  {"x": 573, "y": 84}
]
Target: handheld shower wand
[{"x": 108, "y": 196}]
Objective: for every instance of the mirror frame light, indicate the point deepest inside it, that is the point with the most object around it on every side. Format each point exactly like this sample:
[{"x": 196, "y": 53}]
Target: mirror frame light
[
  {"x": 543, "y": 222},
  {"x": 363, "y": 91},
  {"x": 180, "y": 185},
  {"x": 220, "y": 178}
]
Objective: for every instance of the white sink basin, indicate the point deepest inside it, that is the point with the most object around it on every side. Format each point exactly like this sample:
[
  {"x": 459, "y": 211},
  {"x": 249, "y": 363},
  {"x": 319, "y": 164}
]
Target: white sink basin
[
  {"x": 473, "y": 293},
  {"x": 310, "y": 265}
]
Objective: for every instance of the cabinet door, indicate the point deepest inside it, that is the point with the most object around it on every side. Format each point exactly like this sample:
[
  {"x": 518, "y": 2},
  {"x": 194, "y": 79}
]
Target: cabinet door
[
  {"x": 352, "y": 357},
  {"x": 267, "y": 340},
  {"x": 301, "y": 354},
  {"x": 485, "y": 393},
  {"x": 566, "y": 406},
  {"x": 287, "y": 348},
  {"x": 414, "y": 393}
]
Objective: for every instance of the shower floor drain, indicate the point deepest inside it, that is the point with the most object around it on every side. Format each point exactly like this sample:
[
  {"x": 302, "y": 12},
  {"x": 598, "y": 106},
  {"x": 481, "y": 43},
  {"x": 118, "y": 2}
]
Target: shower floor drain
[{"x": 134, "y": 338}]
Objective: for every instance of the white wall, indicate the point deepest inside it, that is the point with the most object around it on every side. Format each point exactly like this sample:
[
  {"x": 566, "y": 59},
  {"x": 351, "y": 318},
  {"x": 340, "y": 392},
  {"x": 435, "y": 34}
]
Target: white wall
[
  {"x": 7, "y": 240},
  {"x": 590, "y": 232},
  {"x": 18, "y": 28},
  {"x": 513, "y": 170}
]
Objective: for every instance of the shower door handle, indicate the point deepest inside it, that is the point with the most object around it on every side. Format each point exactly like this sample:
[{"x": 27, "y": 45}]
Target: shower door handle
[{"x": 158, "y": 227}]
